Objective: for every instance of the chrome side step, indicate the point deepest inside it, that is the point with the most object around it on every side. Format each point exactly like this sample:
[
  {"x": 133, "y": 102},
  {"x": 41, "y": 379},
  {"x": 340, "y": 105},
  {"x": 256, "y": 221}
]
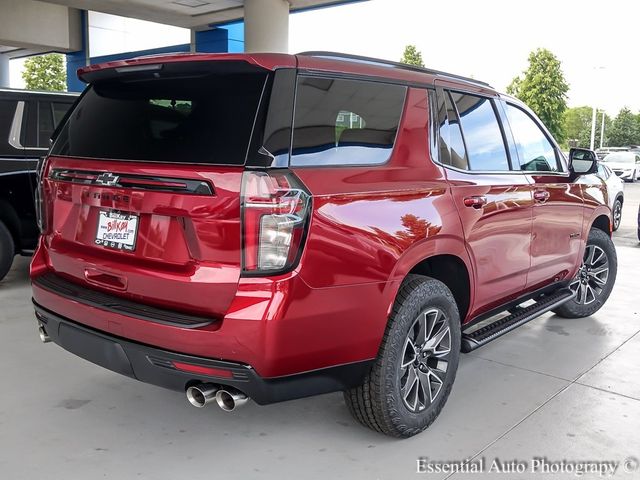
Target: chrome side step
[{"x": 483, "y": 335}]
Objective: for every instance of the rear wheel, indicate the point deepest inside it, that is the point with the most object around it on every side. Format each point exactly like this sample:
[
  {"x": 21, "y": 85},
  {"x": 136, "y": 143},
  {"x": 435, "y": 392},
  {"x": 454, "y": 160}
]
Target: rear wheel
[
  {"x": 412, "y": 377},
  {"x": 7, "y": 250},
  {"x": 617, "y": 214},
  {"x": 595, "y": 278}
]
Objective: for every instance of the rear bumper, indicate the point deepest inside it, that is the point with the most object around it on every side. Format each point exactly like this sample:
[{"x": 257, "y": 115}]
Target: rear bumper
[
  {"x": 278, "y": 325},
  {"x": 156, "y": 366}
]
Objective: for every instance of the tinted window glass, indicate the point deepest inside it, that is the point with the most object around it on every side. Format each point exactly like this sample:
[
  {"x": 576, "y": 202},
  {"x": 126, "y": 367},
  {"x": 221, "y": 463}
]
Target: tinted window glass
[
  {"x": 458, "y": 151},
  {"x": 482, "y": 134},
  {"x": 59, "y": 111},
  {"x": 7, "y": 112},
  {"x": 45, "y": 123},
  {"x": 452, "y": 151},
  {"x": 276, "y": 138},
  {"x": 345, "y": 122},
  {"x": 199, "y": 119},
  {"x": 535, "y": 151}
]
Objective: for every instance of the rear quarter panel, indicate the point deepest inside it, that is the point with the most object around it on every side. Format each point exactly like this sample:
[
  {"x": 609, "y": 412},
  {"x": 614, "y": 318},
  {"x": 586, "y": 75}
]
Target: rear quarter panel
[{"x": 371, "y": 225}]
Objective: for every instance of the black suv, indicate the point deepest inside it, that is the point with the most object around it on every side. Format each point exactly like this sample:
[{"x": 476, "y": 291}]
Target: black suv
[{"x": 27, "y": 120}]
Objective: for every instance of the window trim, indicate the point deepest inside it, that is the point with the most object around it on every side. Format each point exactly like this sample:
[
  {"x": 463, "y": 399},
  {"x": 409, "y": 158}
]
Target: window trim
[
  {"x": 309, "y": 74},
  {"x": 439, "y": 90}
]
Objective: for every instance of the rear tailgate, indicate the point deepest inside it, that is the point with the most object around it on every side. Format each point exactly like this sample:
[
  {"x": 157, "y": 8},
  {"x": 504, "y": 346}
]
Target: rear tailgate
[
  {"x": 185, "y": 224},
  {"x": 142, "y": 186}
]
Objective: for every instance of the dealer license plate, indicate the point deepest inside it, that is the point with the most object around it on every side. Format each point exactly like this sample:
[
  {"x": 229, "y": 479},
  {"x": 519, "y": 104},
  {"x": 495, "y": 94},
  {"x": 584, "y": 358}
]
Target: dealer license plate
[{"x": 117, "y": 230}]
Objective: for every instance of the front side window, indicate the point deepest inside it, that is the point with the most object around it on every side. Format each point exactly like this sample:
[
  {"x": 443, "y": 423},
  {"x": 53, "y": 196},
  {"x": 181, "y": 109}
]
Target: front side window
[
  {"x": 535, "y": 151},
  {"x": 482, "y": 135},
  {"x": 345, "y": 122}
]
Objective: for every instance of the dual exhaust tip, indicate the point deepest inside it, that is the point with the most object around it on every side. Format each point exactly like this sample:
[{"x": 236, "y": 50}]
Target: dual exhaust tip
[
  {"x": 204, "y": 393},
  {"x": 198, "y": 395}
]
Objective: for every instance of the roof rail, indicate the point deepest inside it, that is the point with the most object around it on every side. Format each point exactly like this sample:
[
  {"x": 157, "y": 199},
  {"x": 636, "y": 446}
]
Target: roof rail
[{"x": 390, "y": 63}]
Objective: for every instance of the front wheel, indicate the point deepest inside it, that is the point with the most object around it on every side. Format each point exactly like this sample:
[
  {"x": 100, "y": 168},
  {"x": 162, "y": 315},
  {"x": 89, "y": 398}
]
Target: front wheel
[
  {"x": 595, "y": 278},
  {"x": 412, "y": 377}
]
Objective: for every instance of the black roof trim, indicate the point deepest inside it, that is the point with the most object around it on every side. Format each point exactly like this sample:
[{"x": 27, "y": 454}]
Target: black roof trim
[{"x": 390, "y": 63}]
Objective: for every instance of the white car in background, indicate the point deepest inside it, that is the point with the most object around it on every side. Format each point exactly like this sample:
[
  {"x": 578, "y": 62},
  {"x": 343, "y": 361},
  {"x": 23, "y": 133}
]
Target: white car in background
[
  {"x": 615, "y": 189},
  {"x": 625, "y": 165}
]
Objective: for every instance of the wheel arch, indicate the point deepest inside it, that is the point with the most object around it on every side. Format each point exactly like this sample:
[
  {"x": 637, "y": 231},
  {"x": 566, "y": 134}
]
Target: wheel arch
[
  {"x": 452, "y": 271},
  {"x": 10, "y": 218},
  {"x": 602, "y": 222},
  {"x": 444, "y": 259}
]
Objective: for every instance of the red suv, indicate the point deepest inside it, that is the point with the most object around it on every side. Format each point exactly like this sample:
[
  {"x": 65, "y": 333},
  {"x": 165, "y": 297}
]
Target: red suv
[{"x": 277, "y": 226}]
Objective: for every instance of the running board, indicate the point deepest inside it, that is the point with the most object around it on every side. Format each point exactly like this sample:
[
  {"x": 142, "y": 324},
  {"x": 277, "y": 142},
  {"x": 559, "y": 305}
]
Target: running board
[{"x": 483, "y": 335}]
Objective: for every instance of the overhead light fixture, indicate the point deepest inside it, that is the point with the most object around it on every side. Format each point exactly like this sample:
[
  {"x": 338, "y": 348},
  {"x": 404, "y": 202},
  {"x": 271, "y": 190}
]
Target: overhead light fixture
[{"x": 191, "y": 3}]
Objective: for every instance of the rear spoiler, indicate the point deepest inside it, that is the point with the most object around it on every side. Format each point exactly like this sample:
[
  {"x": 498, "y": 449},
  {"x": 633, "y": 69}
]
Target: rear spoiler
[{"x": 184, "y": 64}]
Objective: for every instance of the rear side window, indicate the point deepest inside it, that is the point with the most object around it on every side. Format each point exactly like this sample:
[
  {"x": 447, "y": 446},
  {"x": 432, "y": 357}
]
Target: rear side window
[
  {"x": 195, "y": 119},
  {"x": 482, "y": 134},
  {"x": 603, "y": 171},
  {"x": 345, "y": 122},
  {"x": 535, "y": 151},
  {"x": 45, "y": 123}
]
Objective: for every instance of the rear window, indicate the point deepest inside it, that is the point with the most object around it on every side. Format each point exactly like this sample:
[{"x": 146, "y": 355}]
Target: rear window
[
  {"x": 345, "y": 122},
  {"x": 201, "y": 119}
]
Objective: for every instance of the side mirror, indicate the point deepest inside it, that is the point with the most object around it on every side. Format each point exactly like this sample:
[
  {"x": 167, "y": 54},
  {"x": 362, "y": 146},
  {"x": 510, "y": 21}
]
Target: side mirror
[{"x": 583, "y": 161}]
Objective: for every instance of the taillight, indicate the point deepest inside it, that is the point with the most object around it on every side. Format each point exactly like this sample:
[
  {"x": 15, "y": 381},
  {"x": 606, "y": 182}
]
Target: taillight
[
  {"x": 40, "y": 201},
  {"x": 275, "y": 212}
]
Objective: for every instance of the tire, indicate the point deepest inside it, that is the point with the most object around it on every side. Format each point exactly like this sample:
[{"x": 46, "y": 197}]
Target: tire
[
  {"x": 595, "y": 279},
  {"x": 617, "y": 214},
  {"x": 391, "y": 399},
  {"x": 7, "y": 250}
]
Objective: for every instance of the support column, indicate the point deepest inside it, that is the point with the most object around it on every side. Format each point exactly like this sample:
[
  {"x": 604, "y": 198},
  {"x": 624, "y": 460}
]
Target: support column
[
  {"x": 4, "y": 71},
  {"x": 266, "y": 26},
  {"x": 80, "y": 58}
]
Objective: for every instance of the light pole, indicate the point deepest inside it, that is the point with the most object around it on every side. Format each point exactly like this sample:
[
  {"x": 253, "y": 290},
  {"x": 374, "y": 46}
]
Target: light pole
[
  {"x": 593, "y": 127},
  {"x": 604, "y": 114},
  {"x": 594, "y": 118}
]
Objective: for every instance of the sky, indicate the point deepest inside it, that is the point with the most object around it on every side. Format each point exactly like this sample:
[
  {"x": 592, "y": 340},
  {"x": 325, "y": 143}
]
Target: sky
[{"x": 597, "y": 42}]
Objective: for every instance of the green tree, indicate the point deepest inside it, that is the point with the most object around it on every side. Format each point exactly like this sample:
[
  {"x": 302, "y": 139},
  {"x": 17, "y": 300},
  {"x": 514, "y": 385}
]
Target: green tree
[
  {"x": 625, "y": 129},
  {"x": 412, "y": 56},
  {"x": 544, "y": 89},
  {"x": 577, "y": 126},
  {"x": 45, "y": 72}
]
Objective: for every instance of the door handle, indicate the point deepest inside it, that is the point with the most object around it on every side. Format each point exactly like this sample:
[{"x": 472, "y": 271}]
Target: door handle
[
  {"x": 541, "y": 196},
  {"x": 475, "y": 201}
]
